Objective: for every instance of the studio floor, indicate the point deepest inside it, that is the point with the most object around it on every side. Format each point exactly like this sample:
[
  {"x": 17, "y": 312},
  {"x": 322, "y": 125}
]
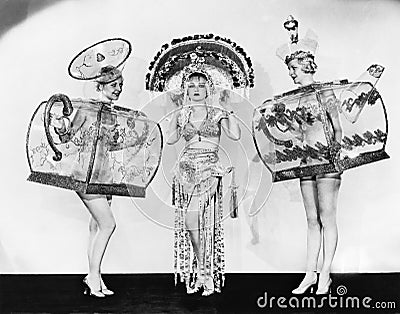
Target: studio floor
[{"x": 156, "y": 293}]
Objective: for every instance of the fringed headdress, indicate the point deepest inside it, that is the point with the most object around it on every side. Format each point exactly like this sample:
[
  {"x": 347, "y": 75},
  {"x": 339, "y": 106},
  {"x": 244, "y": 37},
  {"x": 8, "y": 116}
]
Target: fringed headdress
[{"x": 223, "y": 62}]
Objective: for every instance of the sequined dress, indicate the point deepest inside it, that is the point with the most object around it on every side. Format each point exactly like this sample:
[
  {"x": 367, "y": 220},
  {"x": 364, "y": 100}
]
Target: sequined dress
[{"x": 198, "y": 173}]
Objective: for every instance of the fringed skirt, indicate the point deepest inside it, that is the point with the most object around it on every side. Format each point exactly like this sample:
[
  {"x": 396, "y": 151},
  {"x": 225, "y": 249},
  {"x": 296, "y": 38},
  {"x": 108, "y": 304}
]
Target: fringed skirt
[{"x": 198, "y": 174}]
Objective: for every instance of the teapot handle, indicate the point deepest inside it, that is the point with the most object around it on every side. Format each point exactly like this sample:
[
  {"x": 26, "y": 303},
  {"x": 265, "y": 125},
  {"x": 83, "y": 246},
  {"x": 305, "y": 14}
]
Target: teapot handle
[{"x": 67, "y": 111}]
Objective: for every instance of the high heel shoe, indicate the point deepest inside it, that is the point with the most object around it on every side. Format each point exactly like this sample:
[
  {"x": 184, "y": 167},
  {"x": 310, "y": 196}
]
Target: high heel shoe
[
  {"x": 104, "y": 289},
  {"x": 208, "y": 287},
  {"x": 90, "y": 291},
  {"x": 326, "y": 289},
  {"x": 304, "y": 286}
]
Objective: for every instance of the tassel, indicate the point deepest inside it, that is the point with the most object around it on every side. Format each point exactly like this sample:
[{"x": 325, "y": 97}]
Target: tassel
[
  {"x": 233, "y": 205},
  {"x": 334, "y": 152},
  {"x": 173, "y": 192}
]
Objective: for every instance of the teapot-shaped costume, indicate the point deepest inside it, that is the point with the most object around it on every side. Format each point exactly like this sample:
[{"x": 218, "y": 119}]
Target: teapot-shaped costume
[
  {"x": 103, "y": 149},
  {"x": 298, "y": 122}
]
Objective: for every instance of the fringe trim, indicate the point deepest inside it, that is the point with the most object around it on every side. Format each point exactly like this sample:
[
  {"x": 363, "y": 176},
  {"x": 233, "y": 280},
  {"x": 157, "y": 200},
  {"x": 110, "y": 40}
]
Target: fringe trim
[{"x": 212, "y": 247}]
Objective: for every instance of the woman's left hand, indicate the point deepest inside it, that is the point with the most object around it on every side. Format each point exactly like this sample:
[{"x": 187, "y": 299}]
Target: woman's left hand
[{"x": 224, "y": 101}]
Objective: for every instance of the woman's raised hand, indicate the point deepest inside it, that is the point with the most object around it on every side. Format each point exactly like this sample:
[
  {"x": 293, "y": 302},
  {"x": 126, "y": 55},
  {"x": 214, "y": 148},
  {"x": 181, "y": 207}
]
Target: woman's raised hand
[{"x": 58, "y": 122}]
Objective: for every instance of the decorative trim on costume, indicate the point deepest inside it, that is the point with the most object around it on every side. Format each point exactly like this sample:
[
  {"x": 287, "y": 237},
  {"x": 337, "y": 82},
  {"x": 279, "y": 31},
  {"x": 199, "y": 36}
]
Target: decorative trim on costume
[
  {"x": 376, "y": 70},
  {"x": 325, "y": 151},
  {"x": 197, "y": 170},
  {"x": 137, "y": 134},
  {"x": 218, "y": 53},
  {"x": 347, "y": 163},
  {"x": 302, "y": 133},
  {"x": 212, "y": 248},
  {"x": 67, "y": 182}
]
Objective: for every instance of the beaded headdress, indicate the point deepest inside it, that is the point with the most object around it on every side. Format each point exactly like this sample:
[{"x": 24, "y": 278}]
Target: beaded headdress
[
  {"x": 223, "y": 62},
  {"x": 196, "y": 68},
  {"x": 101, "y": 62},
  {"x": 308, "y": 44}
]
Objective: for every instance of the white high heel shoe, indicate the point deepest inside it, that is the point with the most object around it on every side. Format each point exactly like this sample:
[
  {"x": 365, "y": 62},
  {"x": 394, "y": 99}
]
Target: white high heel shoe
[
  {"x": 304, "y": 286},
  {"x": 90, "y": 290},
  {"x": 104, "y": 289},
  {"x": 326, "y": 289}
]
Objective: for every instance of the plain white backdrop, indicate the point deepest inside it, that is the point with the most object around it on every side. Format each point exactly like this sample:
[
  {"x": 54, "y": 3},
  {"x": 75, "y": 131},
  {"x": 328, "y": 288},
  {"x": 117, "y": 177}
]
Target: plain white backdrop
[{"x": 44, "y": 229}]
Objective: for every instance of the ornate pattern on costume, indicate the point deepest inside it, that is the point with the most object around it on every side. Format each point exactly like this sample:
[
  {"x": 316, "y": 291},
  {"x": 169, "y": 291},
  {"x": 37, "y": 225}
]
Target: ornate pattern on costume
[
  {"x": 298, "y": 124},
  {"x": 107, "y": 150},
  {"x": 104, "y": 149},
  {"x": 226, "y": 62},
  {"x": 198, "y": 171},
  {"x": 88, "y": 64},
  {"x": 208, "y": 128}
]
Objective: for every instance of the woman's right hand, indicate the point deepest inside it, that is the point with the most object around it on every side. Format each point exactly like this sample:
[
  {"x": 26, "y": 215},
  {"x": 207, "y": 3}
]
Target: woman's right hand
[
  {"x": 173, "y": 128},
  {"x": 58, "y": 123}
]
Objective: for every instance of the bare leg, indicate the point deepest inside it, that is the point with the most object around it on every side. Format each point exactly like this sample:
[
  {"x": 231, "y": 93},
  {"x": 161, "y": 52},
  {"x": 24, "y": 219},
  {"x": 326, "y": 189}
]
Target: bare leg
[
  {"x": 104, "y": 288},
  {"x": 192, "y": 215},
  {"x": 102, "y": 215},
  {"x": 308, "y": 188},
  {"x": 192, "y": 222},
  {"x": 192, "y": 225},
  {"x": 328, "y": 189},
  {"x": 310, "y": 200},
  {"x": 93, "y": 228}
]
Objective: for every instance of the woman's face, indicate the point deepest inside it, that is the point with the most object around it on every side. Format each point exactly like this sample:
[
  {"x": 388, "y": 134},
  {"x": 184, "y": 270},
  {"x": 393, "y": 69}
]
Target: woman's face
[
  {"x": 112, "y": 90},
  {"x": 197, "y": 90},
  {"x": 298, "y": 75}
]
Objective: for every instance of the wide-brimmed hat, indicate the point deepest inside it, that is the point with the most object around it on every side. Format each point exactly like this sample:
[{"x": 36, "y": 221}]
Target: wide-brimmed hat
[{"x": 102, "y": 61}]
